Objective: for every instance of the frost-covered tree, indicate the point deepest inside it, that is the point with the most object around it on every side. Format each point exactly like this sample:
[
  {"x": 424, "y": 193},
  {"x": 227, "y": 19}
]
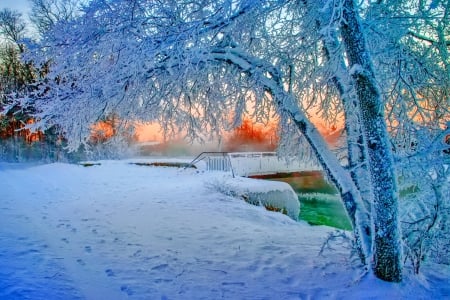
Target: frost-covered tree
[
  {"x": 12, "y": 25},
  {"x": 17, "y": 79},
  {"x": 46, "y": 13},
  {"x": 414, "y": 67},
  {"x": 14, "y": 76},
  {"x": 196, "y": 65}
]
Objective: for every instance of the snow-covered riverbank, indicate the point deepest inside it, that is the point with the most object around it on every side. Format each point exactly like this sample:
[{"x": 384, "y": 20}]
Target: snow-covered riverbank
[{"x": 122, "y": 231}]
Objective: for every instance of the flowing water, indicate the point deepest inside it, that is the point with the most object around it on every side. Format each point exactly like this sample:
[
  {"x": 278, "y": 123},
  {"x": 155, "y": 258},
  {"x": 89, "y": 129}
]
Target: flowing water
[{"x": 320, "y": 202}]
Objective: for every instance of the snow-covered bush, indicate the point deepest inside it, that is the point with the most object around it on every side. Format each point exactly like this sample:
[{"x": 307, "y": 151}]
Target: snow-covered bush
[
  {"x": 424, "y": 181},
  {"x": 114, "y": 148}
]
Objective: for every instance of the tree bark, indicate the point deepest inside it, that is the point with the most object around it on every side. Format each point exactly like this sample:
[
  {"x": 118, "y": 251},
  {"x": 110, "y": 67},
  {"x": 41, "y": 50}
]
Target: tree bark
[
  {"x": 387, "y": 237},
  {"x": 286, "y": 104},
  {"x": 356, "y": 151}
]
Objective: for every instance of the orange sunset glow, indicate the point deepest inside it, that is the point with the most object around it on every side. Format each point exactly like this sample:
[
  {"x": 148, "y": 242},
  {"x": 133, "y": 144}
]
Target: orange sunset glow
[
  {"x": 149, "y": 132},
  {"x": 16, "y": 127},
  {"x": 250, "y": 135}
]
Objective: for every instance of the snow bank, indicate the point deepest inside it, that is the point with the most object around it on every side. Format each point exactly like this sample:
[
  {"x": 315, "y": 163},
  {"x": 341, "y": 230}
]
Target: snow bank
[
  {"x": 274, "y": 195},
  {"x": 122, "y": 231}
]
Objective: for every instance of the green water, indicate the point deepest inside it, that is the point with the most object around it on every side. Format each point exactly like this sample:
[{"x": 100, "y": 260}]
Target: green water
[
  {"x": 320, "y": 203},
  {"x": 317, "y": 211}
]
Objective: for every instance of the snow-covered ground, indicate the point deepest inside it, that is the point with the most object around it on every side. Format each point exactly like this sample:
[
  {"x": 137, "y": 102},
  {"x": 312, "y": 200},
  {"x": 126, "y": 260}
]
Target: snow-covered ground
[{"x": 122, "y": 231}]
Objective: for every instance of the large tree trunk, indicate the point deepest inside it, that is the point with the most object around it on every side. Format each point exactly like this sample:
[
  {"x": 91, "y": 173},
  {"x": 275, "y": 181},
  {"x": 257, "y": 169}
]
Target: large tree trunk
[
  {"x": 356, "y": 151},
  {"x": 387, "y": 238},
  {"x": 357, "y": 157},
  {"x": 349, "y": 192},
  {"x": 286, "y": 104}
]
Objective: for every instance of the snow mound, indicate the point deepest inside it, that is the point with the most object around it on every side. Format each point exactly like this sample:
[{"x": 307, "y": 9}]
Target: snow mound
[{"x": 274, "y": 195}]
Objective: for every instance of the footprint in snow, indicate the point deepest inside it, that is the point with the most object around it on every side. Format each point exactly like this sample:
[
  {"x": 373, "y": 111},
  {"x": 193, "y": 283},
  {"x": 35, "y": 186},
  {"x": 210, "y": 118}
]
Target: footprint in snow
[
  {"x": 126, "y": 289},
  {"x": 160, "y": 267},
  {"x": 238, "y": 283},
  {"x": 81, "y": 262},
  {"x": 109, "y": 273},
  {"x": 289, "y": 280},
  {"x": 217, "y": 271},
  {"x": 162, "y": 280},
  {"x": 27, "y": 252},
  {"x": 88, "y": 249},
  {"x": 137, "y": 253}
]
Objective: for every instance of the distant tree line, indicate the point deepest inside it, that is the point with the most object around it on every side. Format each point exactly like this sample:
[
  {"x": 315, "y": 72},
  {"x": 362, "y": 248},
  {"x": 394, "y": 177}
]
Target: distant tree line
[{"x": 20, "y": 77}]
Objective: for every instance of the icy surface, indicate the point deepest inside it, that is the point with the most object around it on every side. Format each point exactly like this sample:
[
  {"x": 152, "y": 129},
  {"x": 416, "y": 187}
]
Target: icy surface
[{"x": 122, "y": 231}]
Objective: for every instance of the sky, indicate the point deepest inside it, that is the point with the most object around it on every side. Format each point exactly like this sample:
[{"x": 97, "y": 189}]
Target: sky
[{"x": 21, "y": 5}]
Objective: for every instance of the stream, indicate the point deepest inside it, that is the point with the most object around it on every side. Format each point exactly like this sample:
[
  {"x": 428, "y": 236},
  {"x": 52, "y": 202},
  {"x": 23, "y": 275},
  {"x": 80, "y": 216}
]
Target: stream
[{"x": 320, "y": 202}]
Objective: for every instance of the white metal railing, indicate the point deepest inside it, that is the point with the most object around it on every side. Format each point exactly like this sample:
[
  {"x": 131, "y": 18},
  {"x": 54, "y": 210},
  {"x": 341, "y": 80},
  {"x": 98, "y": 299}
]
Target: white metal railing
[
  {"x": 215, "y": 161},
  {"x": 252, "y": 163},
  {"x": 221, "y": 163},
  {"x": 261, "y": 163}
]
